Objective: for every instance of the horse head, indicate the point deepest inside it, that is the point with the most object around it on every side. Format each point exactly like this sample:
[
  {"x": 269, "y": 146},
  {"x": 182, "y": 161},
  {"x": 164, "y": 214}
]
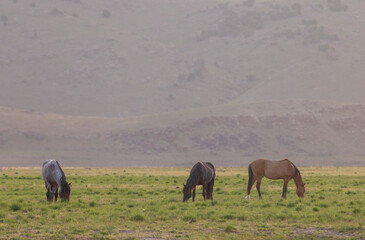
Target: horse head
[
  {"x": 186, "y": 192},
  {"x": 301, "y": 190},
  {"x": 65, "y": 191}
]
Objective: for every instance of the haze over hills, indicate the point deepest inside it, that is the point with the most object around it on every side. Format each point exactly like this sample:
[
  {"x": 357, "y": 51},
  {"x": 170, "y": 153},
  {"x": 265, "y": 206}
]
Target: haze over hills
[
  {"x": 309, "y": 133},
  {"x": 163, "y": 82}
]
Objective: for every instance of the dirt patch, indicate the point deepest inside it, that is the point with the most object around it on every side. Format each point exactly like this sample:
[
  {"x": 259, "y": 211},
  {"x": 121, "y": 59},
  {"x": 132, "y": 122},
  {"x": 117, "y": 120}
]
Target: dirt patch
[
  {"x": 144, "y": 235},
  {"x": 323, "y": 233}
]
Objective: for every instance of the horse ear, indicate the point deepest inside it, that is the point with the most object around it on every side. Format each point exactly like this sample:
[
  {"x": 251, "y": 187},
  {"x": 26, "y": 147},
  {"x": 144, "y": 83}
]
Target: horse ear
[
  {"x": 70, "y": 183},
  {"x": 183, "y": 184}
]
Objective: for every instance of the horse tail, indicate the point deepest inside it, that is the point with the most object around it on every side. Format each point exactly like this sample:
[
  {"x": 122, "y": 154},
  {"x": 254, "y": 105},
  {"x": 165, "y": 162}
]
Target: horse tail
[{"x": 250, "y": 177}]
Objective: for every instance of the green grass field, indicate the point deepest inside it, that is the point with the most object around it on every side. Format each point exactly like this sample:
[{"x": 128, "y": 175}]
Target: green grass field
[{"x": 146, "y": 203}]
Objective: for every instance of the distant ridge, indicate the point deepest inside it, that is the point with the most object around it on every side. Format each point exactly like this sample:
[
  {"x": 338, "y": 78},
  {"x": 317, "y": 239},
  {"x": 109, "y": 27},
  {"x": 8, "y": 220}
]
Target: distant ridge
[{"x": 308, "y": 133}]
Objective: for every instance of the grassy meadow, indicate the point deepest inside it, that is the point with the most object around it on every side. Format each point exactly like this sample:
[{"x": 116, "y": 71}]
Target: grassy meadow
[{"x": 146, "y": 203}]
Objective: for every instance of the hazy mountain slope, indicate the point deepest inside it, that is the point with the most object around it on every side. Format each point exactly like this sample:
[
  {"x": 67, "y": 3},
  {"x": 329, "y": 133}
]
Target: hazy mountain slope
[
  {"x": 309, "y": 133},
  {"x": 124, "y": 58}
]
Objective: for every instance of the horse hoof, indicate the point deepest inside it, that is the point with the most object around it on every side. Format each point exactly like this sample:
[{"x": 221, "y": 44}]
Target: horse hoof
[{"x": 248, "y": 197}]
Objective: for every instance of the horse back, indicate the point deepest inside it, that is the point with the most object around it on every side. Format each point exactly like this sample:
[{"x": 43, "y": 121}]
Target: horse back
[
  {"x": 273, "y": 169},
  {"x": 209, "y": 169},
  {"x": 210, "y": 165},
  {"x": 52, "y": 172}
]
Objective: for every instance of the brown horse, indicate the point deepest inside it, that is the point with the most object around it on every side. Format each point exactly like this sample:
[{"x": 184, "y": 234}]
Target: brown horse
[
  {"x": 282, "y": 169},
  {"x": 200, "y": 174}
]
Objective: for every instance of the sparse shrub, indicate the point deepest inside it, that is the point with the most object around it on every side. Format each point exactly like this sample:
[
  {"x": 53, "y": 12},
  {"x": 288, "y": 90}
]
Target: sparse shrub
[
  {"x": 315, "y": 209},
  {"x": 172, "y": 208},
  {"x": 33, "y": 136},
  {"x": 323, "y": 205},
  {"x": 229, "y": 228},
  {"x": 106, "y": 14},
  {"x": 344, "y": 229},
  {"x": 56, "y": 206},
  {"x": 249, "y": 3},
  {"x": 299, "y": 208},
  {"x": 4, "y": 20},
  {"x": 189, "y": 218},
  {"x": 56, "y": 12},
  {"x": 336, "y": 6},
  {"x": 291, "y": 205},
  {"x": 137, "y": 218},
  {"x": 326, "y": 48},
  {"x": 15, "y": 207},
  {"x": 228, "y": 216},
  {"x": 2, "y": 205},
  {"x": 356, "y": 210},
  {"x": 241, "y": 218}
]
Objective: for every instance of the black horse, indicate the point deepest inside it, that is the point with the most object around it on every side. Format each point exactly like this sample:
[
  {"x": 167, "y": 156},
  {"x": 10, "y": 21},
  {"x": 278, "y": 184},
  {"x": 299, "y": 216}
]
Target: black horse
[
  {"x": 202, "y": 173},
  {"x": 55, "y": 178}
]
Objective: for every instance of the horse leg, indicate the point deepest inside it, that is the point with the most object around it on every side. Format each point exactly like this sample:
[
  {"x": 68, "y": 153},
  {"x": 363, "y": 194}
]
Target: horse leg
[
  {"x": 49, "y": 199},
  {"x": 194, "y": 194},
  {"x": 208, "y": 191},
  {"x": 205, "y": 191},
  {"x": 52, "y": 192},
  {"x": 285, "y": 188},
  {"x": 56, "y": 194},
  {"x": 258, "y": 184},
  {"x": 211, "y": 185}
]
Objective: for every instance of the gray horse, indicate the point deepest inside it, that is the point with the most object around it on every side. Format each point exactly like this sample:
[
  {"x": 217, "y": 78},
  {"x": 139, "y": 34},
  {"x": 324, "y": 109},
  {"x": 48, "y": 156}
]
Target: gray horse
[{"x": 55, "y": 178}]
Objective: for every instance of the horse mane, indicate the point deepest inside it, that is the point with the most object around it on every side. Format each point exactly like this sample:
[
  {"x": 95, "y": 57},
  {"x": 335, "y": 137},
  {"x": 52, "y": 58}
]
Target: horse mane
[
  {"x": 296, "y": 170},
  {"x": 63, "y": 178},
  {"x": 194, "y": 174},
  {"x": 297, "y": 175}
]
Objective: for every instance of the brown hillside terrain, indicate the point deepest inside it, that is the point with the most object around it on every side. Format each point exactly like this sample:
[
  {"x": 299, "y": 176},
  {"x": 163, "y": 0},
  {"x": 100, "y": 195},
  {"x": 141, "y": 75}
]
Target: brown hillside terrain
[
  {"x": 309, "y": 133},
  {"x": 169, "y": 83}
]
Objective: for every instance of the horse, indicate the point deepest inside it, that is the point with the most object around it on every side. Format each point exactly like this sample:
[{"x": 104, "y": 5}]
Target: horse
[
  {"x": 55, "y": 178},
  {"x": 202, "y": 173},
  {"x": 282, "y": 169}
]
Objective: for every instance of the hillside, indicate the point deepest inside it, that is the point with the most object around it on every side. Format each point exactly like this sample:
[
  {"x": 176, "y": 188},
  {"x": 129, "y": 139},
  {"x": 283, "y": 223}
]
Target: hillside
[
  {"x": 125, "y": 58},
  {"x": 169, "y": 83},
  {"x": 309, "y": 133}
]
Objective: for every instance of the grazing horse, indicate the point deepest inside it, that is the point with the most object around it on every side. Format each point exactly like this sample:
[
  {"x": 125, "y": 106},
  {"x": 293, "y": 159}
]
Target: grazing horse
[
  {"x": 54, "y": 177},
  {"x": 200, "y": 174},
  {"x": 282, "y": 169}
]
